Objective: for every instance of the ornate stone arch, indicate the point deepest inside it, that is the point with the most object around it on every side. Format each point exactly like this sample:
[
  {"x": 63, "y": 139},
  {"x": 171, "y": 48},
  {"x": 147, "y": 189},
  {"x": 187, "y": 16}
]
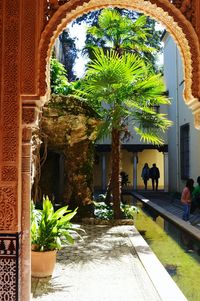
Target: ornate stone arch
[{"x": 177, "y": 16}]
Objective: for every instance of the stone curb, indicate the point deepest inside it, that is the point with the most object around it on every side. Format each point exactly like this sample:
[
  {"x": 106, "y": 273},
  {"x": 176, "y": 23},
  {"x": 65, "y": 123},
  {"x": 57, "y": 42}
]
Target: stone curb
[
  {"x": 162, "y": 281},
  {"x": 190, "y": 229},
  {"x": 116, "y": 222}
]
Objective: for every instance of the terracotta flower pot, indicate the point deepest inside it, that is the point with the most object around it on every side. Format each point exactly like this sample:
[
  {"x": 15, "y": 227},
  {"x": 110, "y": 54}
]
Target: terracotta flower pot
[{"x": 42, "y": 263}]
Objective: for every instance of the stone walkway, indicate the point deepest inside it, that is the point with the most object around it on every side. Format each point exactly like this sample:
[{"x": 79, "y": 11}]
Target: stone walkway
[{"x": 104, "y": 266}]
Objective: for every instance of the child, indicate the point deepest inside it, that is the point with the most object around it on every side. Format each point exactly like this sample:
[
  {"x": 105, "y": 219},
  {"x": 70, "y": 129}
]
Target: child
[{"x": 186, "y": 198}]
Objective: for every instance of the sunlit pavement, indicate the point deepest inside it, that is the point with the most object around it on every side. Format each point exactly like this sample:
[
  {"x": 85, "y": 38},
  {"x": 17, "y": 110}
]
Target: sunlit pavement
[{"x": 104, "y": 266}]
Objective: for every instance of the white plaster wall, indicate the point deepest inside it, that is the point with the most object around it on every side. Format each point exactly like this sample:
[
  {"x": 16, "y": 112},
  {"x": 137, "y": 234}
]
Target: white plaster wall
[
  {"x": 170, "y": 76},
  {"x": 150, "y": 156},
  {"x": 186, "y": 116},
  {"x": 180, "y": 114}
]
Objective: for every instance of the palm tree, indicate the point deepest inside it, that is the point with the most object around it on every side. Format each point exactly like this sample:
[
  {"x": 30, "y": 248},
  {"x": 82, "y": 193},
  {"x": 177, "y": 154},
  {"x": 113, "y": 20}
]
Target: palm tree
[
  {"x": 119, "y": 32},
  {"x": 122, "y": 87},
  {"x": 122, "y": 34}
]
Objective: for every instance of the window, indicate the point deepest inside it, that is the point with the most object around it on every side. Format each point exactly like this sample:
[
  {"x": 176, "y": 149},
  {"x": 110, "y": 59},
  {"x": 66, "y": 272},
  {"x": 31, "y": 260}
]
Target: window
[
  {"x": 155, "y": 108},
  {"x": 184, "y": 151}
]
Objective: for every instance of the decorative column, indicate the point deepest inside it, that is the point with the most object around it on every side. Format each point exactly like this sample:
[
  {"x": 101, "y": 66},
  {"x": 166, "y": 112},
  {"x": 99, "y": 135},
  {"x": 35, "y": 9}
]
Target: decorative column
[
  {"x": 30, "y": 118},
  {"x": 30, "y": 24},
  {"x": 26, "y": 197},
  {"x": 135, "y": 161},
  {"x": 166, "y": 172},
  {"x": 103, "y": 172}
]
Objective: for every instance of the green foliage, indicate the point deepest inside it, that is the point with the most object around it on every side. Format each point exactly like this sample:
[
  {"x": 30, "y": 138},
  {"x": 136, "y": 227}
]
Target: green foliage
[
  {"x": 124, "y": 179},
  {"x": 105, "y": 212},
  {"x": 120, "y": 31},
  {"x": 129, "y": 211},
  {"x": 145, "y": 25},
  {"x": 49, "y": 229},
  {"x": 124, "y": 31},
  {"x": 123, "y": 87},
  {"x": 58, "y": 76}
]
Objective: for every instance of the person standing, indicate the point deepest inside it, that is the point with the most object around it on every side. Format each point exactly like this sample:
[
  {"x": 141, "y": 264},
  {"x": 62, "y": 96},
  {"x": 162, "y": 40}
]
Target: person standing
[
  {"x": 196, "y": 197},
  {"x": 145, "y": 174},
  {"x": 186, "y": 198},
  {"x": 154, "y": 174}
]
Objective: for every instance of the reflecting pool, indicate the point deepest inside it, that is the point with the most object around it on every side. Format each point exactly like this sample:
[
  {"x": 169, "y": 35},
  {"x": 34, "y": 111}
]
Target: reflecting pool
[{"x": 176, "y": 251}]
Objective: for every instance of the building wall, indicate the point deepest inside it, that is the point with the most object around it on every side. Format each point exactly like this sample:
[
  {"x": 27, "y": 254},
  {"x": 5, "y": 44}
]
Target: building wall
[
  {"x": 170, "y": 75},
  {"x": 180, "y": 114},
  {"x": 150, "y": 157},
  {"x": 97, "y": 174}
]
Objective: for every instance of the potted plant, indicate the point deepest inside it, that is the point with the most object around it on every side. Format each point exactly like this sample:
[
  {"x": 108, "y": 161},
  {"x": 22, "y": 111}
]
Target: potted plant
[{"x": 50, "y": 230}]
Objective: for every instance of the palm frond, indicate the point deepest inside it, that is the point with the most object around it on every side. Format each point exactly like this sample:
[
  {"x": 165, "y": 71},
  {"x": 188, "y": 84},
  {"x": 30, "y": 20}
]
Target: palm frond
[
  {"x": 124, "y": 86},
  {"x": 136, "y": 105},
  {"x": 149, "y": 136},
  {"x": 141, "y": 21},
  {"x": 156, "y": 122}
]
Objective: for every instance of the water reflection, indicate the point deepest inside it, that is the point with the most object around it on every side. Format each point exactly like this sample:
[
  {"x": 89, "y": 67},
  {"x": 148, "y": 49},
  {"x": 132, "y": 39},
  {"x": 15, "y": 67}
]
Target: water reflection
[
  {"x": 177, "y": 250},
  {"x": 184, "y": 239}
]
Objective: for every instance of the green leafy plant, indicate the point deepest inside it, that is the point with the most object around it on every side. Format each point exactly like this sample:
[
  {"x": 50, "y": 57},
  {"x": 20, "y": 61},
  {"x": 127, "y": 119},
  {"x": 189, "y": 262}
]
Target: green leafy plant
[
  {"x": 105, "y": 212},
  {"x": 50, "y": 229},
  {"x": 129, "y": 211},
  {"x": 59, "y": 82}
]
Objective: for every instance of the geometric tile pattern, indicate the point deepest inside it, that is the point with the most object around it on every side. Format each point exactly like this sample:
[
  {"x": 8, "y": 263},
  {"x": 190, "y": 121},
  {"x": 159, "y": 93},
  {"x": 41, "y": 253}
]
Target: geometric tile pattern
[{"x": 9, "y": 266}]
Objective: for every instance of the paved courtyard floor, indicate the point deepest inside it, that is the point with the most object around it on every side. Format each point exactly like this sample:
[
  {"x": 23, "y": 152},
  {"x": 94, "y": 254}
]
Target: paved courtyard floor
[{"x": 104, "y": 266}]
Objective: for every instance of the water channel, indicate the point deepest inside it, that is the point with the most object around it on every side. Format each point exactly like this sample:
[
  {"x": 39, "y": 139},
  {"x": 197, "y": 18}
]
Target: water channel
[{"x": 178, "y": 252}]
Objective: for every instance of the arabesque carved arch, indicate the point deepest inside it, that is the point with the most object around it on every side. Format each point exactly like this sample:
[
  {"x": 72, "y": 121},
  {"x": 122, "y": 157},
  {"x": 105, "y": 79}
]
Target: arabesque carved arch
[{"x": 162, "y": 10}]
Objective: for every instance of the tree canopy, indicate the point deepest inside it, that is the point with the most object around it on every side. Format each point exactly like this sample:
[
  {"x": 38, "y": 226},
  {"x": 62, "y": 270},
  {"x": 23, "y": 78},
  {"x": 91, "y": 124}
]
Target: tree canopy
[
  {"x": 70, "y": 51},
  {"x": 98, "y": 33},
  {"x": 124, "y": 87}
]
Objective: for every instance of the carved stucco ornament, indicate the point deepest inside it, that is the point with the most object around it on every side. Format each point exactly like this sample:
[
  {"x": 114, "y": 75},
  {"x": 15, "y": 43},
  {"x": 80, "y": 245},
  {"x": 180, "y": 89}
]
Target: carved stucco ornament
[
  {"x": 197, "y": 120},
  {"x": 185, "y": 6},
  {"x": 174, "y": 15},
  {"x": 8, "y": 209}
]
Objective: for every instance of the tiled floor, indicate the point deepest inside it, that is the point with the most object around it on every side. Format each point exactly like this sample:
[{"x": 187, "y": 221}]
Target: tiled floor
[{"x": 102, "y": 267}]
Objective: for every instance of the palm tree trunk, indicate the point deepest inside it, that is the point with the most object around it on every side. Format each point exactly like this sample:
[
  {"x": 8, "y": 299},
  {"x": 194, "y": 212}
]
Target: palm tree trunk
[
  {"x": 115, "y": 175},
  {"x": 108, "y": 192}
]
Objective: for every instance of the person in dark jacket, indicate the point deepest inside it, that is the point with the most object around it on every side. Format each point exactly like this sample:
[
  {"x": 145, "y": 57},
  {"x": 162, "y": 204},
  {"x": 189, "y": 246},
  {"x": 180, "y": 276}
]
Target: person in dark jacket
[
  {"x": 154, "y": 174},
  {"x": 145, "y": 175}
]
